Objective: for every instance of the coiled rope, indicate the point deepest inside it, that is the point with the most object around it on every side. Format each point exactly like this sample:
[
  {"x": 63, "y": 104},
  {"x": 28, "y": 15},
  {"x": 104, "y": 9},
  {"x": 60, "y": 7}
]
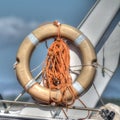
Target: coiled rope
[{"x": 56, "y": 74}]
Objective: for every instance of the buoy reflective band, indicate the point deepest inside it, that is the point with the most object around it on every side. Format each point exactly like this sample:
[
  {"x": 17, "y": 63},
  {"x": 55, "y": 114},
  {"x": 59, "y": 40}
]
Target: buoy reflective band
[
  {"x": 30, "y": 84},
  {"x": 78, "y": 87},
  {"x": 79, "y": 39},
  {"x": 33, "y": 39}
]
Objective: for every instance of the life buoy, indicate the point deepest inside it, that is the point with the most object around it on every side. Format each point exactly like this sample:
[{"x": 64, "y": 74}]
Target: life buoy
[{"x": 81, "y": 84}]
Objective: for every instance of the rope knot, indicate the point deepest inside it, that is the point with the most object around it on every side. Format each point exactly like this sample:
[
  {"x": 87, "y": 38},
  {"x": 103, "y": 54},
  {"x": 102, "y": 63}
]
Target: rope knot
[{"x": 57, "y": 23}]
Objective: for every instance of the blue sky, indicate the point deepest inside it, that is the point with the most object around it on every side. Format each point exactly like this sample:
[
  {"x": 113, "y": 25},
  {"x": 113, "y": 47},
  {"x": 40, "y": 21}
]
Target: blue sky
[
  {"x": 46, "y": 10},
  {"x": 19, "y": 17}
]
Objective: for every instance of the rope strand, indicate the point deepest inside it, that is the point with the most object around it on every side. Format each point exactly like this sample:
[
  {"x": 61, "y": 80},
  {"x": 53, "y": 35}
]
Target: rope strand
[{"x": 56, "y": 72}]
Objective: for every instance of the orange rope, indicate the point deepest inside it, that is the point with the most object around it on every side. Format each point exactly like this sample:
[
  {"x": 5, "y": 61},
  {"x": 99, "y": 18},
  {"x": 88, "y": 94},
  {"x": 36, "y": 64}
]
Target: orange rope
[{"x": 56, "y": 74}]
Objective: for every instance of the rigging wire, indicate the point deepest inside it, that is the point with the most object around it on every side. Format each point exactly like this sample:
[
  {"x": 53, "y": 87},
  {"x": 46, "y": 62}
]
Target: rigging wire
[
  {"x": 37, "y": 67},
  {"x": 85, "y": 107},
  {"x": 101, "y": 100},
  {"x": 21, "y": 94},
  {"x": 43, "y": 105},
  {"x": 104, "y": 68}
]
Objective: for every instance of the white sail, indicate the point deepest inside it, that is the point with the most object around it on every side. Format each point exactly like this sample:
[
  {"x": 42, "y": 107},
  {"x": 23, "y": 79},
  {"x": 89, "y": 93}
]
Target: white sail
[
  {"x": 99, "y": 19},
  {"x": 111, "y": 53}
]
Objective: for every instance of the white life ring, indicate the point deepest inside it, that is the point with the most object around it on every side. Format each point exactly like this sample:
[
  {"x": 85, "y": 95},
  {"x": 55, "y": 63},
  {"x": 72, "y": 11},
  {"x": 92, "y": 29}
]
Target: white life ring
[{"x": 81, "y": 84}]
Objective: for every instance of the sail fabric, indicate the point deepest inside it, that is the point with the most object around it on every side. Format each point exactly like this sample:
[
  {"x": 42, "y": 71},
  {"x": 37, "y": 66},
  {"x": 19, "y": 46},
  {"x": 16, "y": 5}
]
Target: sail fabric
[
  {"x": 99, "y": 19},
  {"x": 108, "y": 57}
]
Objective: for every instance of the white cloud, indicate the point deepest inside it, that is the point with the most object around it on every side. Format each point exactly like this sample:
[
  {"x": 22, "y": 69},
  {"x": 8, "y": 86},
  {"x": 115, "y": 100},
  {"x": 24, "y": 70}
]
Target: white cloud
[{"x": 13, "y": 27}]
